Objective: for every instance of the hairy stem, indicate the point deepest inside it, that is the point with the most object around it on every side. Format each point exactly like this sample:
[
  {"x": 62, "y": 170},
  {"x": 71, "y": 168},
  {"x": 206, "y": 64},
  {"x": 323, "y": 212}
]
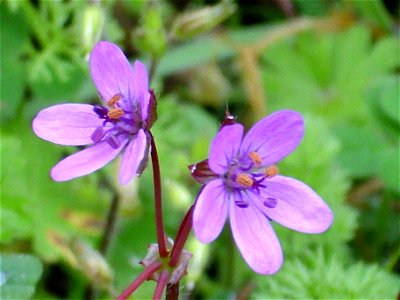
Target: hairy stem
[
  {"x": 110, "y": 224},
  {"x": 158, "y": 199}
]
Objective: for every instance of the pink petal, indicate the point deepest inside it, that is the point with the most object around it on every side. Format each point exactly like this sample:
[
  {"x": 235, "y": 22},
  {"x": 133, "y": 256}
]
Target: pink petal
[
  {"x": 86, "y": 161},
  {"x": 141, "y": 88},
  {"x": 134, "y": 154},
  {"x": 111, "y": 72},
  {"x": 298, "y": 206},
  {"x": 210, "y": 212},
  {"x": 255, "y": 239},
  {"x": 67, "y": 124},
  {"x": 274, "y": 136},
  {"x": 224, "y": 148}
]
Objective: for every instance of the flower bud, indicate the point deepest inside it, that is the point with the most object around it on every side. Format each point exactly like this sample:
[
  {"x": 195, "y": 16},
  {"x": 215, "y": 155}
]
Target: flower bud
[
  {"x": 198, "y": 262},
  {"x": 92, "y": 263},
  {"x": 93, "y": 22},
  {"x": 177, "y": 272},
  {"x": 208, "y": 85},
  {"x": 151, "y": 37},
  {"x": 202, "y": 20}
]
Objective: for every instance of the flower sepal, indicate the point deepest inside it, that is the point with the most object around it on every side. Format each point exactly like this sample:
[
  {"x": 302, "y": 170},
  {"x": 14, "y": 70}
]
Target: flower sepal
[
  {"x": 152, "y": 114},
  {"x": 163, "y": 270},
  {"x": 176, "y": 273},
  {"x": 201, "y": 172}
]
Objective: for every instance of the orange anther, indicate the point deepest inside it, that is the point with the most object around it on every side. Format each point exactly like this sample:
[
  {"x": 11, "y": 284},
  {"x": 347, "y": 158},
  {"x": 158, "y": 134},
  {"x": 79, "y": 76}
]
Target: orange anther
[
  {"x": 114, "y": 100},
  {"x": 256, "y": 158},
  {"x": 244, "y": 180},
  {"x": 115, "y": 113},
  {"x": 271, "y": 171}
]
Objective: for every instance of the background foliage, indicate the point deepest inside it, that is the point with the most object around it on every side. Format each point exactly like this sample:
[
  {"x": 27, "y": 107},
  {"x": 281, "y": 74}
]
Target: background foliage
[{"x": 336, "y": 62}]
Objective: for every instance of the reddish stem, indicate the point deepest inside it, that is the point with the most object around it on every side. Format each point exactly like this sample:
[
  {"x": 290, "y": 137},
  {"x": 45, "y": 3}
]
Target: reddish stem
[
  {"x": 161, "y": 283},
  {"x": 172, "y": 292},
  {"x": 181, "y": 237},
  {"x": 151, "y": 269},
  {"x": 162, "y": 249}
]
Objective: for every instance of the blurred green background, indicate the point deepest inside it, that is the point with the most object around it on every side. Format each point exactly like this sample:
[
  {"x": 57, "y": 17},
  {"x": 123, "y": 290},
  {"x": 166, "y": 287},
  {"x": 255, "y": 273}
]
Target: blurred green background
[{"x": 336, "y": 62}]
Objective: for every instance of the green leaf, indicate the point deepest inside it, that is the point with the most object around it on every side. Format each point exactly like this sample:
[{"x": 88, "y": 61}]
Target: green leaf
[
  {"x": 375, "y": 12},
  {"x": 384, "y": 56},
  {"x": 19, "y": 275},
  {"x": 350, "y": 49},
  {"x": 328, "y": 74},
  {"x": 358, "y": 155},
  {"x": 177, "y": 131},
  {"x": 390, "y": 98},
  {"x": 56, "y": 79},
  {"x": 319, "y": 276},
  {"x": 313, "y": 8},
  {"x": 13, "y": 38},
  {"x": 389, "y": 164},
  {"x": 202, "y": 50},
  {"x": 383, "y": 99}
]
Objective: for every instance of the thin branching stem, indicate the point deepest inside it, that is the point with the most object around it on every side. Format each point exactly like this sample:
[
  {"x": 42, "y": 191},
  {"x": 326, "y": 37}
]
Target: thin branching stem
[
  {"x": 172, "y": 292},
  {"x": 139, "y": 280},
  {"x": 161, "y": 283},
  {"x": 158, "y": 199},
  {"x": 181, "y": 237},
  {"x": 110, "y": 224}
]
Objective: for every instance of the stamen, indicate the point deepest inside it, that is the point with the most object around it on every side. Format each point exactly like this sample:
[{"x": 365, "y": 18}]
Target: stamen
[
  {"x": 244, "y": 180},
  {"x": 98, "y": 134},
  {"x": 242, "y": 204},
  {"x": 256, "y": 158},
  {"x": 271, "y": 171},
  {"x": 100, "y": 111},
  {"x": 115, "y": 113},
  {"x": 270, "y": 202},
  {"x": 114, "y": 100},
  {"x": 113, "y": 141}
]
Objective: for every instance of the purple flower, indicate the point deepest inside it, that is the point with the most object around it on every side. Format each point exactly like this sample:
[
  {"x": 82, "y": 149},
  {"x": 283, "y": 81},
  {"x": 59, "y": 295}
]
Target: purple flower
[
  {"x": 246, "y": 186},
  {"x": 120, "y": 124}
]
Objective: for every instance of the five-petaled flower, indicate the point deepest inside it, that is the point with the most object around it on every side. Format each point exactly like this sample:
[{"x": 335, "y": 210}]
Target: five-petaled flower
[
  {"x": 120, "y": 124},
  {"x": 243, "y": 182}
]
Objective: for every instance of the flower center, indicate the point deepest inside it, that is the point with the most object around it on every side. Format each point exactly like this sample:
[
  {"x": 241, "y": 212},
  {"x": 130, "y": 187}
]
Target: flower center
[
  {"x": 119, "y": 121},
  {"x": 247, "y": 172}
]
